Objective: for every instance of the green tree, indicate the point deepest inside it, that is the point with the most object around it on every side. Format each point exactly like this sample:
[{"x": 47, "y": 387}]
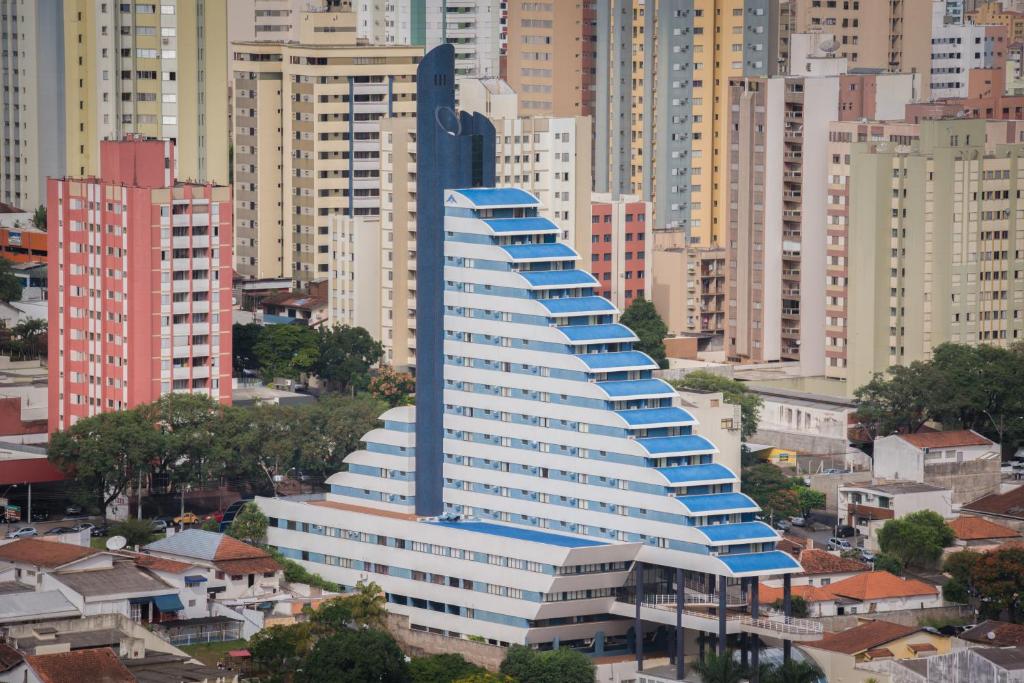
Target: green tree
[
  {"x": 259, "y": 443},
  {"x": 395, "y": 388},
  {"x": 896, "y": 402},
  {"x": 998, "y": 577},
  {"x": 135, "y": 531},
  {"x": 720, "y": 669},
  {"x": 445, "y": 668},
  {"x": 885, "y": 562},
  {"x": 485, "y": 677},
  {"x": 960, "y": 565},
  {"x": 287, "y": 351},
  {"x": 916, "y": 539},
  {"x": 733, "y": 391},
  {"x": 249, "y": 525},
  {"x": 797, "y": 604},
  {"x": 10, "y": 285},
  {"x": 809, "y": 499},
  {"x": 345, "y": 356},
  {"x": 186, "y": 424},
  {"x": 39, "y": 217},
  {"x": 28, "y": 339},
  {"x": 355, "y": 657},
  {"x": 553, "y": 666},
  {"x": 105, "y": 454},
  {"x": 243, "y": 346},
  {"x": 278, "y": 649},
  {"x": 332, "y": 428},
  {"x": 331, "y": 616},
  {"x": 771, "y": 489},
  {"x": 366, "y": 605},
  {"x": 793, "y": 671},
  {"x": 642, "y": 317}
]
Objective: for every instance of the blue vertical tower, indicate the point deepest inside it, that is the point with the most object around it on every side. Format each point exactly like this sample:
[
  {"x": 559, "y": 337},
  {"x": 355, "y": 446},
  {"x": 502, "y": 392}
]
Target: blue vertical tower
[{"x": 453, "y": 149}]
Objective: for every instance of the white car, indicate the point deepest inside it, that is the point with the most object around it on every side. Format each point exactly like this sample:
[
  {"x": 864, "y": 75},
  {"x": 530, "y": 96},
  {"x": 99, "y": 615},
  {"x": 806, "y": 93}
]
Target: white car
[{"x": 23, "y": 532}]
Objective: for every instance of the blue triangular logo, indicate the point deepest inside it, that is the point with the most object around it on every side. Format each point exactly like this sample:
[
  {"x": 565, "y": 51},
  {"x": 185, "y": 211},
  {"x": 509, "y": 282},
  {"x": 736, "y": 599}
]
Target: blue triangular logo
[{"x": 451, "y": 199}]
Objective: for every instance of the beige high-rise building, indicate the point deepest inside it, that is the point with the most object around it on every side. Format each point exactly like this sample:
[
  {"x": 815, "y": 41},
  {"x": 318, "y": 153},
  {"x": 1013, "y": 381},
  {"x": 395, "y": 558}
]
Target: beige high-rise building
[
  {"x": 307, "y": 120},
  {"x": 935, "y": 235},
  {"x": 550, "y": 60},
  {"x": 548, "y": 156},
  {"x": 155, "y": 69},
  {"x": 893, "y": 36}
]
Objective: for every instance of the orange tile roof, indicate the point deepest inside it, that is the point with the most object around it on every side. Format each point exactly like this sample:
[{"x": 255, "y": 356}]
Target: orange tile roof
[
  {"x": 815, "y": 561},
  {"x": 233, "y": 549},
  {"x": 879, "y": 652},
  {"x": 880, "y": 585},
  {"x": 978, "y": 529},
  {"x": 43, "y": 553},
  {"x": 100, "y": 665},
  {"x": 767, "y": 594},
  {"x": 161, "y": 564},
  {"x": 1004, "y": 634},
  {"x": 922, "y": 647},
  {"x": 248, "y": 565},
  {"x": 960, "y": 437},
  {"x": 866, "y": 636},
  {"x": 364, "y": 510}
]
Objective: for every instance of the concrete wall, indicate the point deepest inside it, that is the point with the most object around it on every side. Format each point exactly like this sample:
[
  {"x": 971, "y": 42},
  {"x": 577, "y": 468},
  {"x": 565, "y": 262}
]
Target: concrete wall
[
  {"x": 908, "y": 617},
  {"x": 802, "y": 442},
  {"x": 968, "y": 480},
  {"x": 420, "y": 643},
  {"x": 829, "y": 485}
]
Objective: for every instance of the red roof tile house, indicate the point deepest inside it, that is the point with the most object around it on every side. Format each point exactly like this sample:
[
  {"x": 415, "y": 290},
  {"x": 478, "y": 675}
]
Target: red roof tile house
[
  {"x": 1002, "y": 508},
  {"x": 822, "y": 568},
  {"x": 863, "y": 593},
  {"x": 978, "y": 533},
  {"x": 963, "y": 461},
  {"x": 865, "y": 650}
]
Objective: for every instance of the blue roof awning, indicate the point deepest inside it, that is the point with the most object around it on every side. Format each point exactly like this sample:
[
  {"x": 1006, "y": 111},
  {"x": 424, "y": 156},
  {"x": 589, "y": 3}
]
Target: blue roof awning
[
  {"x": 596, "y": 332},
  {"x": 714, "y": 503},
  {"x": 691, "y": 474},
  {"x": 742, "y": 531},
  {"x": 644, "y": 417},
  {"x": 498, "y": 196},
  {"x": 193, "y": 580},
  {"x": 773, "y": 560},
  {"x": 168, "y": 603},
  {"x": 529, "y": 224},
  {"x": 636, "y": 387},
  {"x": 522, "y": 533},
  {"x": 618, "y": 360},
  {"x": 577, "y": 304},
  {"x": 684, "y": 443},
  {"x": 559, "y": 278},
  {"x": 549, "y": 250}
]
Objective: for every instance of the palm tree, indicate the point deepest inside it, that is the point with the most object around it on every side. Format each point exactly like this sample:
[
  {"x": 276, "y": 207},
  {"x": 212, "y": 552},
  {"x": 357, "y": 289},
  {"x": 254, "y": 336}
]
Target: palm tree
[
  {"x": 720, "y": 669},
  {"x": 367, "y": 605},
  {"x": 792, "y": 671}
]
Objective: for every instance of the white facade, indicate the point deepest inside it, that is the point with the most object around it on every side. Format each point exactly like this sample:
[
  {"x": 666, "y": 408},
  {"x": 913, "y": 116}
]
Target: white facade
[
  {"x": 386, "y": 22},
  {"x": 956, "y": 49},
  {"x": 564, "y": 462},
  {"x": 355, "y": 268},
  {"x": 897, "y": 458},
  {"x": 474, "y": 28},
  {"x": 866, "y": 506}
]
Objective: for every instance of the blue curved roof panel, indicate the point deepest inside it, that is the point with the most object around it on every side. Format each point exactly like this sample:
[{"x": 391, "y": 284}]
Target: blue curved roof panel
[
  {"x": 591, "y": 332},
  {"x": 617, "y": 359},
  {"x": 717, "y": 502},
  {"x": 744, "y": 531},
  {"x": 522, "y": 534},
  {"x": 649, "y": 416},
  {"x": 548, "y": 250},
  {"x": 527, "y": 224},
  {"x": 499, "y": 196},
  {"x": 760, "y": 562},
  {"x": 543, "y": 278},
  {"x": 685, "y": 443},
  {"x": 636, "y": 387},
  {"x": 577, "y": 304},
  {"x": 685, "y": 474}
]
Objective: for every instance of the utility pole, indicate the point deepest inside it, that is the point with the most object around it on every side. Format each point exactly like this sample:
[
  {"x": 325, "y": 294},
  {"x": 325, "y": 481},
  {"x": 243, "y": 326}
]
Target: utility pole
[{"x": 138, "y": 506}]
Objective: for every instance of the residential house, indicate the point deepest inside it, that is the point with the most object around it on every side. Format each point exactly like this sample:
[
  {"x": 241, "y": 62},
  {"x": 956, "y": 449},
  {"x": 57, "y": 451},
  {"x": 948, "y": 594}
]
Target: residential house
[
  {"x": 962, "y": 461},
  {"x": 840, "y": 656},
  {"x": 862, "y": 593},
  {"x": 868, "y": 505},
  {"x": 974, "y": 665},
  {"x": 20, "y": 603},
  {"x": 291, "y": 307},
  {"x": 821, "y": 568},
  {"x": 27, "y": 559},
  {"x": 234, "y": 570},
  {"x": 1004, "y": 508},
  {"x": 992, "y": 633},
  {"x": 978, "y": 533},
  {"x": 100, "y": 664}
]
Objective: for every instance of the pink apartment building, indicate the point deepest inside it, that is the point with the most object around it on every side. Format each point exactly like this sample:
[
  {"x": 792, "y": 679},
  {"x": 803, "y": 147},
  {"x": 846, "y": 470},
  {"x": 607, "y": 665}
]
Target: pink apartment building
[{"x": 140, "y": 301}]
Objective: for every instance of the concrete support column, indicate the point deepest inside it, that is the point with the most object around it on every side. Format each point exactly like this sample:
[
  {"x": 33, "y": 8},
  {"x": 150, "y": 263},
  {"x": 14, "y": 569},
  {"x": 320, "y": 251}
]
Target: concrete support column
[
  {"x": 755, "y": 645},
  {"x": 721, "y": 615},
  {"x": 787, "y": 608},
  {"x": 680, "y": 601},
  {"x": 638, "y": 627}
]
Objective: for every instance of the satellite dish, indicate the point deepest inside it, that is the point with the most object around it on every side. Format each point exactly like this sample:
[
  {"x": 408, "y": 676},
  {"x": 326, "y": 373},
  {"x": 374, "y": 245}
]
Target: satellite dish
[
  {"x": 116, "y": 542},
  {"x": 828, "y": 46}
]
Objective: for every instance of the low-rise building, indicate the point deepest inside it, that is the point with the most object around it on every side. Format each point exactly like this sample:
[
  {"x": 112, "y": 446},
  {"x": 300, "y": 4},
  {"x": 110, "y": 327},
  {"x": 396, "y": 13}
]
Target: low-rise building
[
  {"x": 977, "y": 532},
  {"x": 803, "y": 421},
  {"x": 822, "y": 568},
  {"x": 867, "y": 505},
  {"x": 839, "y": 654},
  {"x": 962, "y": 461},
  {"x": 863, "y": 593},
  {"x": 992, "y": 633},
  {"x": 1003, "y": 508},
  {"x": 292, "y": 307},
  {"x": 974, "y": 665}
]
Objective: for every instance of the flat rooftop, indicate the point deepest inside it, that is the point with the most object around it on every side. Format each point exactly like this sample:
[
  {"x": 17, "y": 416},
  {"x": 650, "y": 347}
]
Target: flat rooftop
[
  {"x": 364, "y": 510},
  {"x": 894, "y": 486}
]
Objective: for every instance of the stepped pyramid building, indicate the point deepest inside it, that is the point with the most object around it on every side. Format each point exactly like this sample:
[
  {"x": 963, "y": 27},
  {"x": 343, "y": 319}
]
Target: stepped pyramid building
[{"x": 563, "y": 497}]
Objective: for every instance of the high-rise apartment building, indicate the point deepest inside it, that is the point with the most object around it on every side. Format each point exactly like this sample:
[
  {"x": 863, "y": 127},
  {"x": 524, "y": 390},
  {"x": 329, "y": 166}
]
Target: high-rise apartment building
[
  {"x": 32, "y": 111},
  {"x": 663, "y": 70},
  {"x": 778, "y": 215},
  {"x": 961, "y": 50},
  {"x": 392, "y": 22},
  {"x": 688, "y": 287},
  {"x": 620, "y": 248},
  {"x": 997, "y": 14},
  {"x": 307, "y": 134},
  {"x": 156, "y": 69},
  {"x": 548, "y": 155},
  {"x": 892, "y": 36},
  {"x": 474, "y": 28},
  {"x": 933, "y": 238},
  {"x": 551, "y": 56},
  {"x": 144, "y": 302}
]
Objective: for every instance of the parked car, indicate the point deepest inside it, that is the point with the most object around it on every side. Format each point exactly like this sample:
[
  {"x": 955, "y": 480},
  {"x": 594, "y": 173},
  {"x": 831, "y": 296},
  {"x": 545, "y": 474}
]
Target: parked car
[
  {"x": 160, "y": 525},
  {"x": 867, "y": 556},
  {"x": 187, "y": 518},
  {"x": 59, "y": 531},
  {"x": 846, "y": 531},
  {"x": 99, "y": 531},
  {"x": 839, "y": 544},
  {"x": 72, "y": 510},
  {"x": 84, "y": 526},
  {"x": 40, "y": 516},
  {"x": 798, "y": 521},
  {"x": 784, "y": 524},
  {"x": 215, "y": 516},
  {"x": 23, "y": 532}
]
